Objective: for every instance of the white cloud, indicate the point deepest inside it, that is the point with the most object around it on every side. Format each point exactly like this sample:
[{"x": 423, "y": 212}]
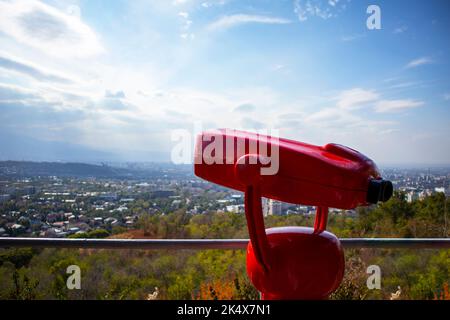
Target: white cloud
[
  {"x": 338, "y": 121},
  {"x": 245, "y": 108},
  {"x": 45, "y": 98},
  {"x": 278, "y": 67},
  {"x": 179, "y": 2},
  {"x": 48, "y": 29},
  {"x": 353, "y": 37},
  {"x": 333, "y": 2},
  {"x": 187, "y": 36},
  {"x": 318, "y": 8},
  {"x": 396, "y": 105},
  {"x": 400, "y": 29},
  {"x": 404, "y": 85},
  {"x": 238, "y": 19},
  {"x": 328, "y": 115},
  {"x": 13, "y": 93},
  {"x": 118, "y": 119},
  {"x": 27, "y": 68},
  {"x": 345, "y": 118},
  {"x": 389, "y": 131},
  {"x": 419, "y": 62},
  {"x": 212, "y": 3},
  {"x": 115, "y": 95},
  {"x": 354, "y": 98},
  {"x": 185, "y": 26}
]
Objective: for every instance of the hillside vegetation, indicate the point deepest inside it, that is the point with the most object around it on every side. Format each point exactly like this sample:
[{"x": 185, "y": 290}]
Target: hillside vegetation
[{"x": 220, "y": 274}]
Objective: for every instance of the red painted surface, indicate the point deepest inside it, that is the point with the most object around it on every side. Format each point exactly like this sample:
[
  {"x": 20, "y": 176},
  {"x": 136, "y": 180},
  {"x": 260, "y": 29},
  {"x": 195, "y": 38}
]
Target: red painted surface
[
  {"x": 291, "y": 262},
  {"x": 303, "y": 264}
]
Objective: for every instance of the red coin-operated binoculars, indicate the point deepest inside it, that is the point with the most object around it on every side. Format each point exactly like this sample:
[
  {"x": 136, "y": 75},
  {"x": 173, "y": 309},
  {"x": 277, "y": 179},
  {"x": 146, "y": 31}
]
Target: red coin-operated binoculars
[{"x": 290, "y": 262}]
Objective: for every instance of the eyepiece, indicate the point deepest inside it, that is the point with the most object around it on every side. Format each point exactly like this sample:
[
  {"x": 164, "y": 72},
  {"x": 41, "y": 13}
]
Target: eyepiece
[{"x": 379, "y": 190}]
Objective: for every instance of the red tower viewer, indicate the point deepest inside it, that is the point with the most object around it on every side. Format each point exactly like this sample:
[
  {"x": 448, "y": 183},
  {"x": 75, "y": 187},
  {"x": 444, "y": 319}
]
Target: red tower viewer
[{"x": 290, "y": 262}]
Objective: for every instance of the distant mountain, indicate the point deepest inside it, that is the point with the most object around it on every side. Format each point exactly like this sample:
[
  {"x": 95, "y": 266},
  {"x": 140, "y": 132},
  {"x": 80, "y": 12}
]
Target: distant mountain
[
  {"x": 71, "y": 169},
  {"x": 27, "y": 169}
]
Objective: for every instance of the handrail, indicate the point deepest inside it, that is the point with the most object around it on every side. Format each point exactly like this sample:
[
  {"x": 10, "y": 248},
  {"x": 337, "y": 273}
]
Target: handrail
[{"x": 196, "y": 244}]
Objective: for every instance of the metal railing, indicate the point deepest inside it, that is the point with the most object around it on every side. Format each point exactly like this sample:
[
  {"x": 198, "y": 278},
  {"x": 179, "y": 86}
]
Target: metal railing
[{"x": 199, "y": 244}]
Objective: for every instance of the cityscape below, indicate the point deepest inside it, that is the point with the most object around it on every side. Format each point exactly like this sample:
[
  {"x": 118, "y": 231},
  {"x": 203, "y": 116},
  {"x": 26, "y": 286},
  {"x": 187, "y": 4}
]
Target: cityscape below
[{"x": 39, "y": 199}]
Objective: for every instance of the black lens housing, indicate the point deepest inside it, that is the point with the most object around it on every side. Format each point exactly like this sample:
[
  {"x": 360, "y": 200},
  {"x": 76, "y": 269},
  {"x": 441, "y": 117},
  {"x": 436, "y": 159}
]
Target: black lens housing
[{"x": 379, "y": 190}]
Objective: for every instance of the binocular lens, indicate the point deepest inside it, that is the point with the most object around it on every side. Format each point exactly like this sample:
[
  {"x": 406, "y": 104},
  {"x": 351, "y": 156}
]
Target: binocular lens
[{"x": 379, "y": 190}]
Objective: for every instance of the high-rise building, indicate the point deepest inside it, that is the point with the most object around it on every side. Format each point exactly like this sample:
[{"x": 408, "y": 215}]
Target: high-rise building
[{"x": 273, "y": 207}]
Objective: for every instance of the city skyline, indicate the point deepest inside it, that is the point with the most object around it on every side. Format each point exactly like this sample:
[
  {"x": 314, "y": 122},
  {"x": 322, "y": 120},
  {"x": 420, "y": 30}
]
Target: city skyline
[{"x": 95, "y": 81}]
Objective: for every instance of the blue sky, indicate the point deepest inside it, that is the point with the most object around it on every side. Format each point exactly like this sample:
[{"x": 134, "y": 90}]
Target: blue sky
[{"x": 111, "y": 80}]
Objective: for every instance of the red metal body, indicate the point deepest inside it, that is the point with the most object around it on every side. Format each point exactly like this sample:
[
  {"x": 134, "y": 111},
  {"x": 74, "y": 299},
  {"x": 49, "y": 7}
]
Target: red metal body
[{"x": 290, "y": 262}]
